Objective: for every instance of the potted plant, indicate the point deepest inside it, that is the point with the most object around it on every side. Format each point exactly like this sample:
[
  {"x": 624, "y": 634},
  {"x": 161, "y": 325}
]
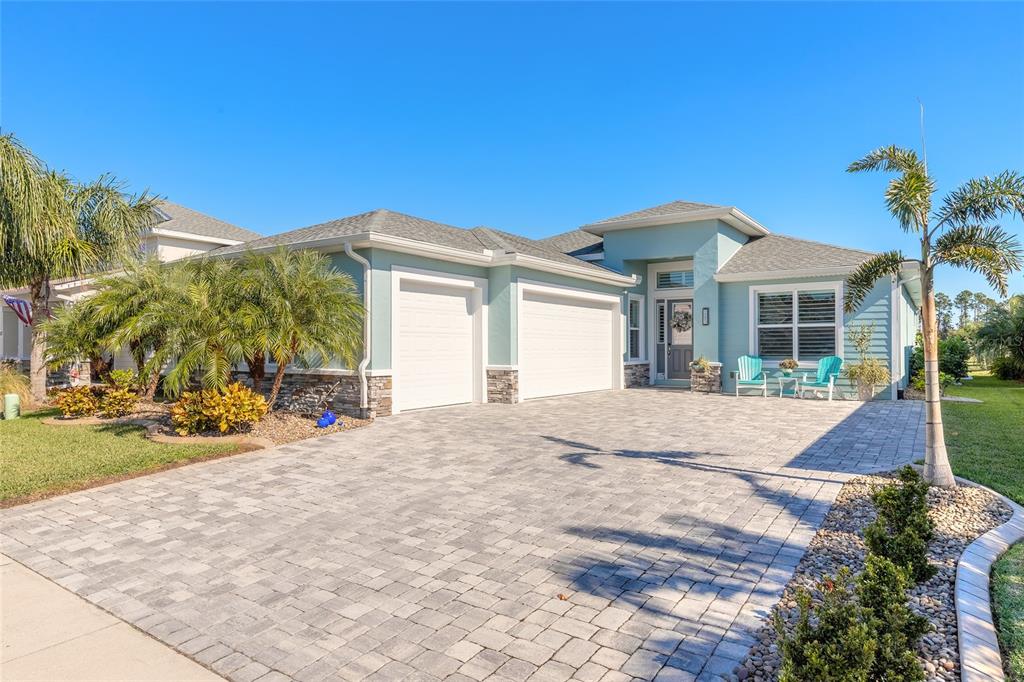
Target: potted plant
[
  {"x": 788, "y": 365},
  {"x": 868, "y": 372},
  {"x": 700, "y": 365}
]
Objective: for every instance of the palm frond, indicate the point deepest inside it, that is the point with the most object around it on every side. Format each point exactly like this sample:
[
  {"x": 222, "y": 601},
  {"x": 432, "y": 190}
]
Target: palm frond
[
  {"x": 988, "y": 250},
  {"x": 982, "y": 200},
  {"x": 909, "y": 199},
  {"x": 862, "y": 281},
  {"x": 891, "y": 159}
]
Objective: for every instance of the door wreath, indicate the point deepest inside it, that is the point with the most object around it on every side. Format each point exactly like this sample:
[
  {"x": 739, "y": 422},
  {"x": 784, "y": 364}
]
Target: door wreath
[{"x": 682, "y": 321}]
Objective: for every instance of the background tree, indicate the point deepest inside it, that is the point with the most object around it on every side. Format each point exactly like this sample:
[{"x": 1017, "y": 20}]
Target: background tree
[
  {"x": 981, "y": 305},
  {"x": 311, "y": 313},
  {"x": 959, "y": 233},
  {"x": 1001, "y": 336},
  {"x": 52, "y": 227},
  {"x": 964, "y": 302},
  {"x": 943, "y": 313}
]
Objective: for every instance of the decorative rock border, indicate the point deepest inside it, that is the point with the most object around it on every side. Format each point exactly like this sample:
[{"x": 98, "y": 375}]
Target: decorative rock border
[
  {"x": 153, "y": 429},
  {"x": 980, "y": 660}
]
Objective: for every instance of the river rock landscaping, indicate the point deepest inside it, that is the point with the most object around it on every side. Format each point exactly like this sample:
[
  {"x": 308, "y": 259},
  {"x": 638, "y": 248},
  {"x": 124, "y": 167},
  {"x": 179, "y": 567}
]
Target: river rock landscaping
[{"x": 960, "y": 515}]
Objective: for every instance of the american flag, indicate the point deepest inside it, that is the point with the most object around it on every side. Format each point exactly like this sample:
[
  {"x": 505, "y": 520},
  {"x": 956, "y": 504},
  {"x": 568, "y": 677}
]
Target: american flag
[{"x": 21, "y": 308}]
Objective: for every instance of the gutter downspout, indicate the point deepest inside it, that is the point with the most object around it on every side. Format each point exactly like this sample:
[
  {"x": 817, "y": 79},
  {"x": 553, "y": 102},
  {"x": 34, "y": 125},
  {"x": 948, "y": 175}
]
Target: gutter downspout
[{"x": 364, "y": 402}]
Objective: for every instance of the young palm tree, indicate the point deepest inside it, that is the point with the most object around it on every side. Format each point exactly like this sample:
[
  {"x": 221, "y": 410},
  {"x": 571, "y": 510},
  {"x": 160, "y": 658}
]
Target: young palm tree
[
  {"x": 209, "y": 327},
  {"x": 52, "y": 227},
  {"x": 74, "y": 333},
  {"x": 311, "y": 312},
  {"x": 139, "y": 309},
  {"x": 959, "y": 233}
]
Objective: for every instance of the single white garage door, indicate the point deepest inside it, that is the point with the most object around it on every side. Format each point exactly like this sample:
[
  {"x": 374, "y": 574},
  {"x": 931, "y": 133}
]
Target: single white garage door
[
  {"x": 565, "y": 345},
  {"x": 434, "y": 346}
]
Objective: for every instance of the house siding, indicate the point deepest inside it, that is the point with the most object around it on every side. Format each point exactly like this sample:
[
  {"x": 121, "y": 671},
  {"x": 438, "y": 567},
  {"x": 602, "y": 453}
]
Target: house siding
[
  {"x": 910, "y": 323},
  {"x": 735, "y": 326}
]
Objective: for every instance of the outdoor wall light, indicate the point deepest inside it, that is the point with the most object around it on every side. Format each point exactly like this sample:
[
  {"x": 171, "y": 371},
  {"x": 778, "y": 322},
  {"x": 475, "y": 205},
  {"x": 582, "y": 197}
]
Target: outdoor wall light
[{"x": 705, "y": 316}]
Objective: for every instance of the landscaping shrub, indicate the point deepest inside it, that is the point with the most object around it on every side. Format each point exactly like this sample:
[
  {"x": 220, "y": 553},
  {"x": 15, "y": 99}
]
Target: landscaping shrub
[
  {"x": 882, "y": 590},
  {"x": 236, "y": 408},
  {"x": 917, "y": 382},
  {"x": 954, "y": 353},
  {"x": 833, "y": 641},
  {"x": 77, "y": 401},
  {"x": 902, "y": 530},
  {"x": 1008, "y": 368},
  {"x": 122, "y": 378},
  {"x": 117, "y": 402}
]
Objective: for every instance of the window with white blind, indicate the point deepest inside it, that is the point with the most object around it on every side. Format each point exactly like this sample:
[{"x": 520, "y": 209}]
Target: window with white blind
[
  {"x": 635, "y": 327},
  {"x": 675, "y": 279},
  {"x": 795, "y": 322}
]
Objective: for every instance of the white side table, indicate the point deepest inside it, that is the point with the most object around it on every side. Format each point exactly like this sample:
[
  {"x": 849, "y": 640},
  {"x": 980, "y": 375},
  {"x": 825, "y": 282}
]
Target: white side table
[{"x": 783, "y": 380}]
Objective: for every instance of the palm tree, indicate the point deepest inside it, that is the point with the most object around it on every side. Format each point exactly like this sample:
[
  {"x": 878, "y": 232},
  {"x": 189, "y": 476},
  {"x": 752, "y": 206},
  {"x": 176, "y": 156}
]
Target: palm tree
[
  {"x": 52, "y": 227},
  {"x": 311, "y": 312},
  {"x": 209, "y": 327},
  {"x": 139, "y": 310},
  {"x": 75, "y": 332},
  {"x": 959, "y": 233}
]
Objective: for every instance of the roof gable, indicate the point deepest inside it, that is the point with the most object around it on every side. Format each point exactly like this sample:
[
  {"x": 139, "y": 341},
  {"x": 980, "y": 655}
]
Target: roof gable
[
  {"x": 178, "y": 218},
  {"x": 776, "y": 253}
]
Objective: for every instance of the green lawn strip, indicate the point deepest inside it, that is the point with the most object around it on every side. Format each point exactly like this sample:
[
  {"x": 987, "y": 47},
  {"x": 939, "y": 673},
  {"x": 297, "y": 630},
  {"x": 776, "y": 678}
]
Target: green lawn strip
[
  {"x": 37, "y": 460},
  {"x": 986, "y": 444},
  {"x": 1008, "y": 597}
]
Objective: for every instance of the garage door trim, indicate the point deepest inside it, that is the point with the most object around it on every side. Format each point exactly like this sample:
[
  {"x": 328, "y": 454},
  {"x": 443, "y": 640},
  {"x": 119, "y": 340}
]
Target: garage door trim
[
  {"x": 477, "y": 286},
  {"x": 613, "y": 302}
]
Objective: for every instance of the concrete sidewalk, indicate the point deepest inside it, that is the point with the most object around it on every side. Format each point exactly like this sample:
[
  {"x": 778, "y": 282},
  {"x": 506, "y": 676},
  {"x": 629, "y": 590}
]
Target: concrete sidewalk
[{"x": 48, "y": 633}]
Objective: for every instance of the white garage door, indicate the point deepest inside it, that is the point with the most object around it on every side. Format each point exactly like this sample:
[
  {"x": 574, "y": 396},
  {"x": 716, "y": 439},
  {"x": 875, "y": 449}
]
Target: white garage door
[
  {"x": 434, "y": 346},
  {"x": 565, "y": 345}
]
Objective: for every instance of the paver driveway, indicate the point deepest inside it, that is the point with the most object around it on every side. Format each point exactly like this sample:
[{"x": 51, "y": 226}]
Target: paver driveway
[{"x": 606, "y": 536}]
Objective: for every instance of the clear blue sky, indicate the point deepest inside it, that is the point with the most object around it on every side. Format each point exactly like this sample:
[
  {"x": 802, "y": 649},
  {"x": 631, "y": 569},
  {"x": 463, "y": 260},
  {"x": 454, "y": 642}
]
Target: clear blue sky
[{"x": 534, "y": 118}]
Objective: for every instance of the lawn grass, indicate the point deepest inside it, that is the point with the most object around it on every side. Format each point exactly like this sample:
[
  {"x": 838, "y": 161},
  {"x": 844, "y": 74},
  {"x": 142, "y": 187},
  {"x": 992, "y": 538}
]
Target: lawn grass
[
  {"x": 38, "y": 460},
  {"x": 986, "y": 444}
]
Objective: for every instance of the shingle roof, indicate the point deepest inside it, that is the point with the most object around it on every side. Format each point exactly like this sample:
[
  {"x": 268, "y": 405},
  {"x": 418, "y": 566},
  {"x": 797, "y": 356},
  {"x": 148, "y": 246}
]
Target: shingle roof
[
  {"x": 575, "y": 242},
  {"x": 381, "y": 220},
  {"x": 182, "y": 219},
  {"x": 671, "y": 208},
  {"x": 384, "y": 221},
  {"x": 776, "y": 252}
]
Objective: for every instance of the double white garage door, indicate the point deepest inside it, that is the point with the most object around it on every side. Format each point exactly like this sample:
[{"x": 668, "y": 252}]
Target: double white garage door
[{"x": 568, "y": 343}]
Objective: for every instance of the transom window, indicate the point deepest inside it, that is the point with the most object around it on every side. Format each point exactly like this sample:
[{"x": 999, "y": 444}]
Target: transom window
[
  {"x": 799, "y": 324},
  {"x": 675, "y": 279},
  {"x": 635, "y": 340}
]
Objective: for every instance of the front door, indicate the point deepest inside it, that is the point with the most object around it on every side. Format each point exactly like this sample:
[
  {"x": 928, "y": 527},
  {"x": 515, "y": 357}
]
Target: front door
[{"x": 680, "y": 338}]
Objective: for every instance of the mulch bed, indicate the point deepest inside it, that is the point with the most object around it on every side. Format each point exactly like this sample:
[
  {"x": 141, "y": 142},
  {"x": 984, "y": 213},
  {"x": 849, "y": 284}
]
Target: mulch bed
[{"x": 961, "y": 515}]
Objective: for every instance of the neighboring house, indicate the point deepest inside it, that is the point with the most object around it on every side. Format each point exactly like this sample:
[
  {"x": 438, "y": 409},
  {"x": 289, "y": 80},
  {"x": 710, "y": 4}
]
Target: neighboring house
[
  {"x": 479, "y": 315},
  {"x": 179, "y": 232}
]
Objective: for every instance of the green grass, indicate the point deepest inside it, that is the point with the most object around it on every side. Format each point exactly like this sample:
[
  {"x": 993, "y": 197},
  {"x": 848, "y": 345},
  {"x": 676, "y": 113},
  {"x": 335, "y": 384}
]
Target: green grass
[
  {"x": 1008, "y": 598},
  {"x": 986, "y": 444},
  {"x": 37, "y": 460}
]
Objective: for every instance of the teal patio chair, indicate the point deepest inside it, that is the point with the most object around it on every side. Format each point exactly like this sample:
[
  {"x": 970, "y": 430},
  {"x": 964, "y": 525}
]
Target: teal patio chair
[
  {"x": 751, "y": 375},
  {"x": 828, "y": 371}
]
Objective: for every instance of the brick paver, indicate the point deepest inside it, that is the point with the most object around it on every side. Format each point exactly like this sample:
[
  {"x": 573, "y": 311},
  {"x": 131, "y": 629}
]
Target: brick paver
[{"x": 638, "y": 533}]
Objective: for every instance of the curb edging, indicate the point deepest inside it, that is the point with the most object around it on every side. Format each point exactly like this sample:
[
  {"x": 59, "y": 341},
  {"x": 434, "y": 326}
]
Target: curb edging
[{"x": 980, "y": 660}]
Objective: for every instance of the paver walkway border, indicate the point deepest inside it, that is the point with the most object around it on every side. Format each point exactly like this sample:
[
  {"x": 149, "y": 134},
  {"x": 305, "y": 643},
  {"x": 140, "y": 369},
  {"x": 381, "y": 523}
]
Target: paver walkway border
[
  {"x": 50, "y": 633},
  {"x": 980, "y": 660}
]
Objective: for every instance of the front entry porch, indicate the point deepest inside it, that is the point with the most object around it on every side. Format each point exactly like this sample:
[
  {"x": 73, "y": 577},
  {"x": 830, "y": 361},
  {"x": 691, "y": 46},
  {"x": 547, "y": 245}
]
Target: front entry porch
[{"x": 674, "y": 342}]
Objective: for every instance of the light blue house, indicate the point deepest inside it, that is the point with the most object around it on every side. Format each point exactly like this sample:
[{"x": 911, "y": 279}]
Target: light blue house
[{"x": 479, "y": 315}]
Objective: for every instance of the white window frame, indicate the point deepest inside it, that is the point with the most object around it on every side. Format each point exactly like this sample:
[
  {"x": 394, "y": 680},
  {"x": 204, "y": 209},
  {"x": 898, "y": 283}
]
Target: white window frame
[
  {"x": 641, "y": 315},
  {"x": 794, "y": 289}
]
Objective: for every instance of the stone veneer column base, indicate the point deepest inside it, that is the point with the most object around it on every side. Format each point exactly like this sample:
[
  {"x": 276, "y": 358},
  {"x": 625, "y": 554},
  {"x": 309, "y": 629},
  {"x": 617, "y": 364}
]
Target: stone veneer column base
[
  {"x": 707, "y": 382},
  {"x": 635, "y": 375},
  {"x": 309, "y": 393},
  {"x": 502, "y": 385}
]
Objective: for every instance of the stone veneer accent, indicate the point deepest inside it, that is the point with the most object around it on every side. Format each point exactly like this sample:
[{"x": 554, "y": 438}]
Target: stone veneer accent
[
  {"x": 306, "y": 393},
  {"x": 708, "y": 382},
  {"x": 503, "y": 385},
  {"x": 636, "y": 375}
]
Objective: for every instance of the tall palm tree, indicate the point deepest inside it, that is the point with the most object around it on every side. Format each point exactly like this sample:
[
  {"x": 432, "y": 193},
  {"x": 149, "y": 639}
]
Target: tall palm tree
[
  {"x": 311, "y": 312},
  {"x": 961, "y": 233},
  {"x": 52, "y": 227}
]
